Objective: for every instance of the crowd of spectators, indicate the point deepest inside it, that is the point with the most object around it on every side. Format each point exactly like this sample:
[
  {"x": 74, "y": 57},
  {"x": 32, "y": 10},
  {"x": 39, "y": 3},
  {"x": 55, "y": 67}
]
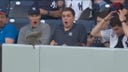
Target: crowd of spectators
[{"x": 110, "y": 28}]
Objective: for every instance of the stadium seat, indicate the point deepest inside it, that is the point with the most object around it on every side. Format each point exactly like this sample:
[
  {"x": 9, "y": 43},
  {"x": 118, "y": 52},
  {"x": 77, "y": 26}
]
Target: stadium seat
[
  {"x": 18, "y": 13},
  {"x": 4, "y": 4},
  {"x": 19, "y": 9},
  {"x": 19, "y": 22},
  {"x": 88, "y": 24},
  {"x": 53, "y": 23}
]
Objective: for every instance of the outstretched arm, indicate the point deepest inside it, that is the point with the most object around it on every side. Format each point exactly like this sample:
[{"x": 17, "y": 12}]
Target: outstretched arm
[
  {"x": 96, "y": 30},
  {"x": 56, "y": 13}
]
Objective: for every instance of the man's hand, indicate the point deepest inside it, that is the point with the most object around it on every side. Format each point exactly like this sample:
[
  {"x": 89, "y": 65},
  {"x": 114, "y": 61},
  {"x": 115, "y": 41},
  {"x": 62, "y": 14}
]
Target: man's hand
[
  {"x": 53, "y": 43},
  {"x": 109, "y": 16},
  {"x": 121, "y": 15}
]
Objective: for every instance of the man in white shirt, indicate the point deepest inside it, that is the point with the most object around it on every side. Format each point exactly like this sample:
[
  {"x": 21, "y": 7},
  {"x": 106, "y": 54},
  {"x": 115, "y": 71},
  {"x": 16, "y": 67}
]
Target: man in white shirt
[{"x": 118, "y": 34}]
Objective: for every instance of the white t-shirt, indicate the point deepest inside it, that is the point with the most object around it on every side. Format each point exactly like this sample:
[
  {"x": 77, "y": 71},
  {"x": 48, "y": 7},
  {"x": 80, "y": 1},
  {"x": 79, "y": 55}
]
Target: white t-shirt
[
  {"x": 78, "y": 6},
  {"x": 109, "y": 34}
]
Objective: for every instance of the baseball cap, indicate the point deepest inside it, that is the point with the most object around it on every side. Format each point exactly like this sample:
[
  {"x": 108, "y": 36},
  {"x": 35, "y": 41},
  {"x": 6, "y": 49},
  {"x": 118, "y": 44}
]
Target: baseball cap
[
  {"x": 33, "y": 10},
  {"x": 3, "y": 12}
]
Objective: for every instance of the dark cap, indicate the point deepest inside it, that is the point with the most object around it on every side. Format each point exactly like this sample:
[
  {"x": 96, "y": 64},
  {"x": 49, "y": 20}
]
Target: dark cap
[
  {"x": 3, "y": 12},
  {"x": 33, "y": 10}
]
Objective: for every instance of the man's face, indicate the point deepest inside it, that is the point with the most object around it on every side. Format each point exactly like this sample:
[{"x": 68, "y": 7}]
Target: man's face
[
  {"x": 118, "y": 30},
  {"x": 3, "y": 20},
  {"x": 34, "y": 19},
  {"x": 67, "y": 18}
]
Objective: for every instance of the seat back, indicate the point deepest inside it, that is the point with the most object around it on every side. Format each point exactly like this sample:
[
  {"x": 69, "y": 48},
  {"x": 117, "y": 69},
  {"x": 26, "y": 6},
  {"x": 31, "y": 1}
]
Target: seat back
[
  {"x": 53, "y": 24},
  {"x": 19, "y": 8},
  {"x": 18, "y": 13},
  {"x": 88, "y": 24}
]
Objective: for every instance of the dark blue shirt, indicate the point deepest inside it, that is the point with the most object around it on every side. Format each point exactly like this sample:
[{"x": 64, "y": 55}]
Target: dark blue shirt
[
  {"x": 76, "y": 35},
  {"x": 8, "y": 31}
]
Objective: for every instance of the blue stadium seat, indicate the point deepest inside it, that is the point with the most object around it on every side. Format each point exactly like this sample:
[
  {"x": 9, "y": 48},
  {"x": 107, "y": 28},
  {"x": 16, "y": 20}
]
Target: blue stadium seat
[
  {"x": 88, "y": 24},
  {"x": 19, "y": 22},
  {"x": 19, "y": 9},
  {"x": 18, "y": 13},
  {"x": 4, "y": 4},
  {"x": 53, "y": 23}
]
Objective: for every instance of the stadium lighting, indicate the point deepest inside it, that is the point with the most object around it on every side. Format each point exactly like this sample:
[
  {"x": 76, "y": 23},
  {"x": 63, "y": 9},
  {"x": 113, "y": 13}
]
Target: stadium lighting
[
  {"x": 107, "y": 6},
  {"x": 12, "y": 20},
  {"x": 42, "y": 21},
  {"x": 18, "y": 2}
]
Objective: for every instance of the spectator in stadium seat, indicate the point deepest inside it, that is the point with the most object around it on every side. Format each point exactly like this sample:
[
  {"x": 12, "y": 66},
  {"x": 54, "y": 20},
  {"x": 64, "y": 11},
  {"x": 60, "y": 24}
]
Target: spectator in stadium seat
[
  {"x": 118, "y": 34},
  {"x": 98, "y": 41},
  {"x": 35, "y": 32},
  {"x": 69, "y": 33},
  {"x": 8, "y": 32},
  {"x": 50, "y": 9}
]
